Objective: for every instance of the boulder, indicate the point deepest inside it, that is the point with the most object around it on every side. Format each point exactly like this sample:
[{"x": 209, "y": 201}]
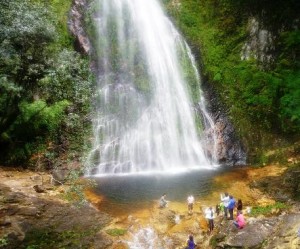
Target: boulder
[
  {"x": 39, "y": 189},
  {"x": 269, "y": 233},
  {"x": 286, "y": 236},
  {"x": 60, "y": 176}
]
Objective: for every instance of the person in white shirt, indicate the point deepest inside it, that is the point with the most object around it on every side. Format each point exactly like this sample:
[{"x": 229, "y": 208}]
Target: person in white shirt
[
  {"x": 209, "y": 215},
  {"x": 190, "y": 201},
  {"x": 225, "y": 199}
]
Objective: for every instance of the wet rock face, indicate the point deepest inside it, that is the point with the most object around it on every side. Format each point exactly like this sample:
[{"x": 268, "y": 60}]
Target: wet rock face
[
  {"x": 75, "y": 23},
  {"x": 260, "y": 44},
  {"x": 230, "y": 150}
]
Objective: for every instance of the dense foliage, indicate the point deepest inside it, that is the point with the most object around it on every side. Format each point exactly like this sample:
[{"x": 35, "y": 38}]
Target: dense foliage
[
  {"x": 262, "y": 91},
  {"x": 44, "y": 84}
]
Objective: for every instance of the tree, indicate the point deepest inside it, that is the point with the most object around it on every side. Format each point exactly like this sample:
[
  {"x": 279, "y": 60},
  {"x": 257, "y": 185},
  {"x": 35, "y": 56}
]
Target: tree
[{"x": 39, "y": 81}]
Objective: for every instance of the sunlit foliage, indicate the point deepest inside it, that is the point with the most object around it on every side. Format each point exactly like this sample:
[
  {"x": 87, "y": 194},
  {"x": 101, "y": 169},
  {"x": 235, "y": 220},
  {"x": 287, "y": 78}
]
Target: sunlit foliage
[
  {"x": 44, "y": 84},
  {"x": 265, "y": 93}
]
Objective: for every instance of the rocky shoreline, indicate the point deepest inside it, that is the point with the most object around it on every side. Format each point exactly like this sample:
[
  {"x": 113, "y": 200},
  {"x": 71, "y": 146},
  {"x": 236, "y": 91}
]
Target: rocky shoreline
[
  {"x": 38, "y": 217},
  {"x": 34, "y": 214}
]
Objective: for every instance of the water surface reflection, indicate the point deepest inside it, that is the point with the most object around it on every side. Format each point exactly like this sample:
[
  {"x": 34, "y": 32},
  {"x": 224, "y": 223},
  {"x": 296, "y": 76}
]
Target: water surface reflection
[{"x": 144, "y": 188}]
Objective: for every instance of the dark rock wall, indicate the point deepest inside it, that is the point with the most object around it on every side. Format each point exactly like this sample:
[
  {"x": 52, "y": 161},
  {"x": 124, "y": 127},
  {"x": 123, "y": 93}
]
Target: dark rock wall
[
  {"x": 230, "y": 150},
  {"x": 76, "y": 27}
]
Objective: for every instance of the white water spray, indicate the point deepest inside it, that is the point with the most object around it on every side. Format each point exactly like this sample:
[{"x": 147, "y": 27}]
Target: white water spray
[
  {"x": 147, "y": 238},
  {"x": 147, "y": 93}
]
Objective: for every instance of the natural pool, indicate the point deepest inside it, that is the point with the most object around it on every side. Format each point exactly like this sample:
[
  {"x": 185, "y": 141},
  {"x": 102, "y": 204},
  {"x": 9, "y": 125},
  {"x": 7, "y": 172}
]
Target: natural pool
[
  {"x": 132, "y": 202},
  {"x": 125, "y": 193}
]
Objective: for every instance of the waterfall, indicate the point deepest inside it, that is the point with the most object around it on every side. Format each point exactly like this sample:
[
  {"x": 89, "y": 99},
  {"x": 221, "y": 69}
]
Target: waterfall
[{"x": 148, "y": 94}]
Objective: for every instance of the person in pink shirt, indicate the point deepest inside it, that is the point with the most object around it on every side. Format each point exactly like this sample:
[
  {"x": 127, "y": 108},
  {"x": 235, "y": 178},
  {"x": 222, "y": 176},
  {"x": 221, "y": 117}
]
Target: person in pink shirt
[{"x": 240, "y": 220}]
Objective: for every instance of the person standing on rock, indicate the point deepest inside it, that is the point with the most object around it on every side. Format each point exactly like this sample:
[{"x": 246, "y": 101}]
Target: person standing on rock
[
  {"x": 191, "y": 243},
  {"x": 225, "y": 200},
  {"x": 209, "y": 215},
  {"x": 239, "y": 206},
  {"x": 190, "y": 201},
  {"x": 231, "y": 206}
]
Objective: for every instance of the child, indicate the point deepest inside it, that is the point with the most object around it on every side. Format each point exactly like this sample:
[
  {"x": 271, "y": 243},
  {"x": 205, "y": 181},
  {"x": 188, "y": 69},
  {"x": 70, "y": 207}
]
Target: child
[{"x": 190, "y": 243}]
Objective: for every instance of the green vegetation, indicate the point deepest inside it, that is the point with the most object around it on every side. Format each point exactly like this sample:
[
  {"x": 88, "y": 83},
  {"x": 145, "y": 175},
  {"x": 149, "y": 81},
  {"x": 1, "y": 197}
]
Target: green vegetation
[
  {"x": 292, "y": 180},
  {"x": 45, "y": 86},
  {"x": 189, "y": 75},
  {"x": 116, "y": 232},
  {"x": 269, "y": 209},
  {"x": 215, "y": 239},
  {"x": 3, "y": 241},
  {"x": 262, "y": 95},
  {"x": 48, "y": 238},
  {"x": 75, "y": 193}
]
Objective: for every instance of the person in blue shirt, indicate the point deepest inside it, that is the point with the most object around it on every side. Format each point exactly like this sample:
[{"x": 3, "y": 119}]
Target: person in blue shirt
[
  {"x": 231, "y": 206},
  {"x": 190, "y": 243}
]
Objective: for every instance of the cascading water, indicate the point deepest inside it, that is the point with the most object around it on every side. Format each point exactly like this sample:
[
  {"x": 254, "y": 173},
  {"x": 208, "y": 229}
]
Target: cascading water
[
  {"x": 147, "y": 93},
  {"x": 147, "y": 238}
]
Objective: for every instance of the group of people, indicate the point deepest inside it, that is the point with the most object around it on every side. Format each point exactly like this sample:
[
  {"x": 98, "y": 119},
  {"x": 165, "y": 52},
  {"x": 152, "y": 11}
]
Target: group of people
[
  {"x": 228, "y": 204},
  {"x": 225, "y": 207}
]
